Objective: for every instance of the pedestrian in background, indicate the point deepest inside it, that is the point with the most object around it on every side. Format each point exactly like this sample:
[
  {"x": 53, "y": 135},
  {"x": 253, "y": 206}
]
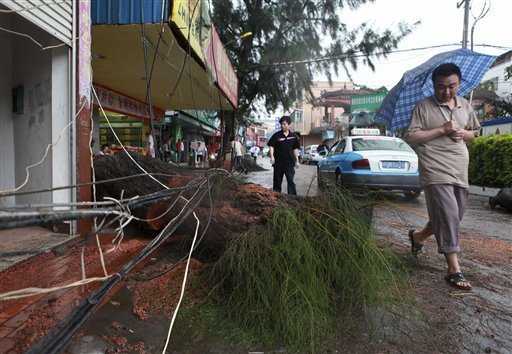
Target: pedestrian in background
[
  {"x": 104, "y": 150},
  {"x": 440, "y": 125},
  {"x": 150, "y": 145},
  {"x": 180, "y": 150},
  {"x": 237, "y": 151},
  {"x": 323, "y": 147},
  {"x": 255, "y": 150},
  {"x": 167, "y": 150},
  {"x": 284, "y": 155},
  {"x": 200, "y": 153}
]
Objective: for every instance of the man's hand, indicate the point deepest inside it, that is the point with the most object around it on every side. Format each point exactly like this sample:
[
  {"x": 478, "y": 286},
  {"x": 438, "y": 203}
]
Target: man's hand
[
  {"x": 458, "y": 135},
  {"x": 272, "y": 160},
  {"x": 297, "y": 164},
  {"x": 450, "y": 127}
]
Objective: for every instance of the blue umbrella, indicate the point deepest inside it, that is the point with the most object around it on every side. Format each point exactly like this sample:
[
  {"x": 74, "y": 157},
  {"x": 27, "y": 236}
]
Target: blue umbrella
[{"x": 416, "y": 84}]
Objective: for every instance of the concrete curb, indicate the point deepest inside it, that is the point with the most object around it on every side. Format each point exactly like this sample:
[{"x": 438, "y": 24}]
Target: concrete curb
[{"x": 484, "y": 191}]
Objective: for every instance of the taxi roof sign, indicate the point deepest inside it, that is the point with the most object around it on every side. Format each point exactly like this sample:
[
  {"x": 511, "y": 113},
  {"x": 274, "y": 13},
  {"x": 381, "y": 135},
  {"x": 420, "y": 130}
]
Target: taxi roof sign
[{"x": 365, "y": 131}]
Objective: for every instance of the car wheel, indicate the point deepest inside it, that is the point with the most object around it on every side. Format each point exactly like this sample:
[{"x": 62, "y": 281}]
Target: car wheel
[{"x": 410, "y": 195}]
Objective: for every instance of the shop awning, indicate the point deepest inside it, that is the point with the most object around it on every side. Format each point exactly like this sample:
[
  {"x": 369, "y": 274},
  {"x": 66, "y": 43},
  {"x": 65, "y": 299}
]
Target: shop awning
[
  {"x": 178, "y": 81},
  {"x": 194, "y": 125}
]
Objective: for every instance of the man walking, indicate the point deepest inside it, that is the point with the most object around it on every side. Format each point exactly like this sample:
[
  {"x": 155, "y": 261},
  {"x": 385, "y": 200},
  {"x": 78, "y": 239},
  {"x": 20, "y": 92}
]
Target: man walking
[
  {"x": 237, "y": 150},
  {"x": 441, "y": 125},
  {"x": 180, "y": 149},
  {"x": 284, "y": 155},
  {"x": 255, "y": 150}
]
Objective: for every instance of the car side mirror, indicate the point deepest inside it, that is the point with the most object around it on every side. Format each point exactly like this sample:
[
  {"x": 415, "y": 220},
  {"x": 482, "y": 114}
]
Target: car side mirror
[{"x": 322, "y": 153}]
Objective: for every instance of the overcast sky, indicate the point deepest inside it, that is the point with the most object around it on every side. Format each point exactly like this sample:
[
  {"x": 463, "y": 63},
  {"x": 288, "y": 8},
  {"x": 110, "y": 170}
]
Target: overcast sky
[{"x": 441, "y": 23}]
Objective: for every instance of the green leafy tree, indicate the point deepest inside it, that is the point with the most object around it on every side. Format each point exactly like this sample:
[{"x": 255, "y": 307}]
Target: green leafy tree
[
  {"x": 382, "y": 89},
  {"x": 277, "y": 63},
  {"x": 502, "y": 107}
]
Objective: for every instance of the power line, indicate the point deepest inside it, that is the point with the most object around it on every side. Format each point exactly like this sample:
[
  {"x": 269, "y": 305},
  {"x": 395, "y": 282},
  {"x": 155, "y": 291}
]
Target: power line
[{"x": 347, "y": 56}]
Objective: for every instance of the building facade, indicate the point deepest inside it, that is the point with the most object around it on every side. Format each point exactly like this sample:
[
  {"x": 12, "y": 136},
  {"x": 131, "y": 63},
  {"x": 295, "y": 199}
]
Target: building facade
[
  {"x": 74, "y": 73},
  {"x": 311, "y": 120},
  {"x": 37, "y": 102}
]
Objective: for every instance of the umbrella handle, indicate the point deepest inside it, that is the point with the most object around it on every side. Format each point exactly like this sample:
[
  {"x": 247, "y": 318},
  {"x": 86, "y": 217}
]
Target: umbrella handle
[{"x": 448, "y": 119}]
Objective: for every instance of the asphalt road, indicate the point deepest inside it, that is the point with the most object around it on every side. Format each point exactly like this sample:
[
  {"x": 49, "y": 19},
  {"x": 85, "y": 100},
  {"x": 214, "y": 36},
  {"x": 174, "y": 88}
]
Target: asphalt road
[
  {"x": 305, "y": 177},
  {"x": 412, "y": 214},
  {"x": 457, "y": 321}
]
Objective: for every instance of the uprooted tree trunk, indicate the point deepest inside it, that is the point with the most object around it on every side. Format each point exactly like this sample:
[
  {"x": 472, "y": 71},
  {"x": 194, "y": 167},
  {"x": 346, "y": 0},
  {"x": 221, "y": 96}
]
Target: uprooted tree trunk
[
  {"x": 234, "y": 207},
  {"x": 122, "y": 165}
]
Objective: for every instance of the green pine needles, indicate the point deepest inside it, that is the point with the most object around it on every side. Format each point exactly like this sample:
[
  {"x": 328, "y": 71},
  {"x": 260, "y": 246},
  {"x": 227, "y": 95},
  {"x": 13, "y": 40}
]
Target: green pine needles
[{"x": 290, "y": 281}]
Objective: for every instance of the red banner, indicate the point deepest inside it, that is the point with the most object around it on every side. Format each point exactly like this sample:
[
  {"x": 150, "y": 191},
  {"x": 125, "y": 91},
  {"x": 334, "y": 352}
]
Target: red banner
[
  {"x": 119, "y": 103},
  {"x": 218, "y": 62}
]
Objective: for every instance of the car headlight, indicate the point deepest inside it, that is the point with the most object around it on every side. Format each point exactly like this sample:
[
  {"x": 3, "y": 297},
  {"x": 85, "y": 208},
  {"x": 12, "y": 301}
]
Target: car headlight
[{"x": 213, "y": 157}]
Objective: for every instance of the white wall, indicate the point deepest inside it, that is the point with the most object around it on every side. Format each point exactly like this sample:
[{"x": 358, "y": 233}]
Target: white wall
[
  {"x": 497, "y": 129},
  {"x": 32, "y": 128},
  {"x": 61, "y": 151},
  {"x": 6, "y": 122},
  {"x": 44, "y": 75},
  {"x": 504, "y": 87}
]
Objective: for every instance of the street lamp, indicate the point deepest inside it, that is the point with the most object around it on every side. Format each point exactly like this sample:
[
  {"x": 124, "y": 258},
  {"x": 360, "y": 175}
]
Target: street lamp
[{"x": 246, "y": 34}]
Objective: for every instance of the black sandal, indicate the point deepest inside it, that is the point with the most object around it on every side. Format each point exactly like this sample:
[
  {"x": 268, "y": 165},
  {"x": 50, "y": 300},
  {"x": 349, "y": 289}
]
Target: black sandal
[
  {"x": 416, "y": 248},
  {"x": 456, "y": 279}
]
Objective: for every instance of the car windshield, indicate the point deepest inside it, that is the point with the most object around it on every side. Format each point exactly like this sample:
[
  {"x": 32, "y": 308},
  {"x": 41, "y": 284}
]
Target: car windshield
[{"x": 364, "y": 144}]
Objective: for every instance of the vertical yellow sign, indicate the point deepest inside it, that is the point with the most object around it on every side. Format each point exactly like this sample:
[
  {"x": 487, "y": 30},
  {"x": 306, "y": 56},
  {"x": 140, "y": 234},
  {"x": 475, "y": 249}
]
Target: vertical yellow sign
[{"x": 186, "y": 14}]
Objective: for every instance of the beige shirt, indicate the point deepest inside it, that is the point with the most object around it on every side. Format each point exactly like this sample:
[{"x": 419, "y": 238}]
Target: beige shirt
[{"x": 441, "y": 160}]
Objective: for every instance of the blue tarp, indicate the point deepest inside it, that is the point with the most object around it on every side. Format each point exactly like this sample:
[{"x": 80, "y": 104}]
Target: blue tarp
[{"x": 125, "y": 12}]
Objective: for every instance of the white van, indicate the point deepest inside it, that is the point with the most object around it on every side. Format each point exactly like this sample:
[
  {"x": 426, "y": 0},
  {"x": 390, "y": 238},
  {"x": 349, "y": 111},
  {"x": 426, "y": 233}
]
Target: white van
[{"x": 311, "y": 155}]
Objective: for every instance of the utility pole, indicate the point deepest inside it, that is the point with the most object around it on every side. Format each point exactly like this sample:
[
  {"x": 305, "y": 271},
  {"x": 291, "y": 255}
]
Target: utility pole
[{"x": 465, "y": 29}]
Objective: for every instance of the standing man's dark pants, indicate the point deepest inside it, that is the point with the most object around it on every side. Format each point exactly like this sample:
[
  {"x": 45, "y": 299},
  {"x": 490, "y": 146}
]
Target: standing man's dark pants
[{"x": 289, "y": 172}]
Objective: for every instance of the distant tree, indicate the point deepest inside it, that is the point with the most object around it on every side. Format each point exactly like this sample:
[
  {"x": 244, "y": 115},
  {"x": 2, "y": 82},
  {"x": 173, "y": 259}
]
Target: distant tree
[
  {"x": 502, "y": 107},
  {"x": 290, "y": 43},
  {"x": 381, "y": 89}
]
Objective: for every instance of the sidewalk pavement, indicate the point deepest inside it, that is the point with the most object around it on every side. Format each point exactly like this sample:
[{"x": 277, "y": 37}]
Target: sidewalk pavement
[{"x": 17, "y": 245}]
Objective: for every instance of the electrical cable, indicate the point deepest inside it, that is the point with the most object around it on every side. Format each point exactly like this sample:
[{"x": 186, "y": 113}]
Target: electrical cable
[
  {"x": 165, "y": 271},
  {"x": 44, "y": 156},
  {"x": 12, "y": 220},
  {"x": 148, "y": 81},
  {"x": 18, "y": 294},
  {"x": 84, "y": 184},
  {"x": 347, "y": 56},
  {"x": 119, "y": 141},
  {"x": 61, "y": 333},
  {"x": 222, "y": 120},
  {"x": 36, "y": 42},
  {"x": 182, "y": 293},
  {"x": 185, "y": 57}
]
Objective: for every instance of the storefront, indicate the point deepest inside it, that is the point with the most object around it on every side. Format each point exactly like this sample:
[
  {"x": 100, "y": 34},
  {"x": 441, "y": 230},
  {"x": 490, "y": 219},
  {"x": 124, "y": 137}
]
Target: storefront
[{"x": 120, "y": 120}]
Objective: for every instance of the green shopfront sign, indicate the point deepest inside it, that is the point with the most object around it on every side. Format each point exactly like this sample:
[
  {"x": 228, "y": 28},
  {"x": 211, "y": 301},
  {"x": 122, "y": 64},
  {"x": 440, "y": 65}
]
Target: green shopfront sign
[{"x": 366, "y": 103}]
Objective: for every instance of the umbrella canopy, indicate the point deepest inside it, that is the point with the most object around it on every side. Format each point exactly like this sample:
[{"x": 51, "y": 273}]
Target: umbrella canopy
[{"x": 416, "y": 84}]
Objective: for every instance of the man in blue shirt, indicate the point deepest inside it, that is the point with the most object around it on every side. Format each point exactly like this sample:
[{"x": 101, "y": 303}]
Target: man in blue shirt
[{"x": 284, "y": 155}]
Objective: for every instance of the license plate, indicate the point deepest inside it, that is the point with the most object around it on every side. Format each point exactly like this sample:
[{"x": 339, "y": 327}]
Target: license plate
[{"x": 393, "y": 164}]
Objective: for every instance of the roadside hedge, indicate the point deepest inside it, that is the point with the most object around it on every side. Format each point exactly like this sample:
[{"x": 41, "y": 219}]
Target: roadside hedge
[{"x": 490, "y": 161}]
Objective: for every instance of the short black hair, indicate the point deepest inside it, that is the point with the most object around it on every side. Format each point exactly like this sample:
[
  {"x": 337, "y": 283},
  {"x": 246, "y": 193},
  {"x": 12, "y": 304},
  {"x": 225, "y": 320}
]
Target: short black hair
[
  {"x": 286, "y": 119},
  {"x": 446, "y": 70},
  {"x": 103, "y": 146}
]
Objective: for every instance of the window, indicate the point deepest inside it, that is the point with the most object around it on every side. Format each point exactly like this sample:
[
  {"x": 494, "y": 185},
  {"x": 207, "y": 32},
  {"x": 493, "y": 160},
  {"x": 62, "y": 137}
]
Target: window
[
  {"x": 494, "y": 81},
  {"x": 364, "y": 144},
  {"x": 299, "y": 116},
  {"x": 339, "y": 148}
]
